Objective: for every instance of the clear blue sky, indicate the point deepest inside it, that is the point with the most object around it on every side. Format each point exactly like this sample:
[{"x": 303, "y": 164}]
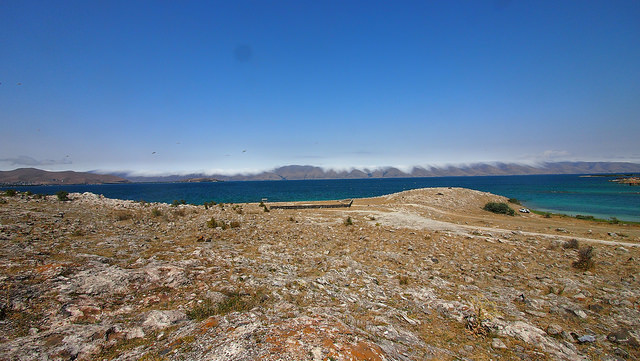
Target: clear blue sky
[{"x": 178, "y": 86}]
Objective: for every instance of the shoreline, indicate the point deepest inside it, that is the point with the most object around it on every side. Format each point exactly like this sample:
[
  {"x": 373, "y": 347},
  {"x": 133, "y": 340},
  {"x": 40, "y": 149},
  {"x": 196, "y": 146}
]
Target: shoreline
[{"x": 594, "y": 216}]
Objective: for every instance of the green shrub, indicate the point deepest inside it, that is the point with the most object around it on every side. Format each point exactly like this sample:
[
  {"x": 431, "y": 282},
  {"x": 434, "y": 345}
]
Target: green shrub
[
  {"x": 348, "y": 221},
  {"x": 514, "y": 201},
  {"x": 587, "y": 218},
  {"x": 500, "y": 208},
  {"x": 176, "y": 202},
  {"x": 63, "y": 196},
  {"x": 10, "y": 192},
  {"x": 156, "y": 212},
  {"x": 614, "y": 220}
]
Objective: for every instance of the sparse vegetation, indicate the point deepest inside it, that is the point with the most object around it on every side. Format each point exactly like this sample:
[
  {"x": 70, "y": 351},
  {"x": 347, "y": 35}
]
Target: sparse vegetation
[
  {"x": 403, "y": 280},
  {"x": 500, "y": 208},
  {"x": 213, "y": 223},
  {"x": 585, "y": 259},
  {"x": 176, "y": 202},
  {"x": 571, "y": 244},
  {"x": 123, "y": 215},
  {"x": 241, "y": 302},
  {"x": 586, "y": 218},
  {"x": 63, "y": 196},
  {"x": 10, "y": 192},
  {"x": 514, "y": 201},
  {"x": 234, "y": 302},
  {"x": 295, "y": 275},
  {"x": 348, "y": 221},
  {"x": 180, "y": 212},
  {"x": 203, "y": 310}
]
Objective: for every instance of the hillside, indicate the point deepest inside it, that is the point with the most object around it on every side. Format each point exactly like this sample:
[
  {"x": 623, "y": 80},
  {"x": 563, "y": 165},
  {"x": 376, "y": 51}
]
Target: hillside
[
  {"x": 32, "y": 176},
  {"x": 424, "y": 274}
]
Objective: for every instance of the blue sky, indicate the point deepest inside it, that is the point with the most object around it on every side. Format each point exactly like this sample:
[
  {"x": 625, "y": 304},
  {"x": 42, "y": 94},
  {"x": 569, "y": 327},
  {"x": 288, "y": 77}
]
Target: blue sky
[{"x": 241, "y": 86}]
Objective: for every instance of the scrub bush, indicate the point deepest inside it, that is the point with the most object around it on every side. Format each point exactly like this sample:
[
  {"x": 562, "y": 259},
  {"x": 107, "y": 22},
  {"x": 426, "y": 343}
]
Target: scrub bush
[{"x": 500, "y": 208}]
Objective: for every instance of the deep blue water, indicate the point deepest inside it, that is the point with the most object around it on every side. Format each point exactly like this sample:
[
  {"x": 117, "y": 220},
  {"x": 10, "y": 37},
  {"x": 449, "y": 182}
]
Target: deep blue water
[{"x": 569, "y": 194}]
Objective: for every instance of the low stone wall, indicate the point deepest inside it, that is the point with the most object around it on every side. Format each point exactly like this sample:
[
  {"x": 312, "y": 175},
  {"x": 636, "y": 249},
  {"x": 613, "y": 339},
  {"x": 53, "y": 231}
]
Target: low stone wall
[{"x": 314, "y": 206}]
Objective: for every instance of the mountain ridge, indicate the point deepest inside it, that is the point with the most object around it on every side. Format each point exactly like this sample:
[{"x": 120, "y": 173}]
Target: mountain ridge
[
  {"x": 307, "y": 172},
  {"x": 34, "y": 176}
]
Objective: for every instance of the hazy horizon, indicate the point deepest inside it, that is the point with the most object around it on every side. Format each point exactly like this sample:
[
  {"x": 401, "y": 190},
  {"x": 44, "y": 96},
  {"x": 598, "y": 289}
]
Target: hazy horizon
[{"x": 248, "y": 86}]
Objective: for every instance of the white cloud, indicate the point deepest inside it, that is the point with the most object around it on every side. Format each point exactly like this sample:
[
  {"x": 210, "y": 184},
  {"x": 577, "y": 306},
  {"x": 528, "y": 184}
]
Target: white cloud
[
  {"x": 555, "y": 154},
  {"x": 550, "y": 155}
]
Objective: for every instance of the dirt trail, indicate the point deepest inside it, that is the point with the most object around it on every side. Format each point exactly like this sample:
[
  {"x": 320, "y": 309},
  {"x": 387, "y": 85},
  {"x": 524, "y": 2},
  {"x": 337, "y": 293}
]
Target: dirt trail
[{"x": 408, "y": 219}]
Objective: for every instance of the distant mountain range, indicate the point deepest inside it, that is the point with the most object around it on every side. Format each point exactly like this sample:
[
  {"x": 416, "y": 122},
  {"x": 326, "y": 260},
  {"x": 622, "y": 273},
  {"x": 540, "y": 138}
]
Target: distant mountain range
[
  {"x": 298, "y": 172},
  {"x": 32, "y": 176}
]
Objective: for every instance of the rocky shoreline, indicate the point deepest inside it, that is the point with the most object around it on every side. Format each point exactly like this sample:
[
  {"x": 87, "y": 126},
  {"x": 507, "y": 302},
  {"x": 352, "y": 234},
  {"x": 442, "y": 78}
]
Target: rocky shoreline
[{"x": 422, "y": 274}]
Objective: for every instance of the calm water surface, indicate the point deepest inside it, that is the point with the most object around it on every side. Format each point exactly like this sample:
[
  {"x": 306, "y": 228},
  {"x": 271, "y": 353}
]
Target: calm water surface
[{"x": 569, "y": 194}]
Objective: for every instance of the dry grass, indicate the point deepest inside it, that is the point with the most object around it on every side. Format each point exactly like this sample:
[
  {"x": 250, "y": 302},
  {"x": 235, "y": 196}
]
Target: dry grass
[
  {"x": 123, "y": 215},
  {"x": 585, "y": 259}
]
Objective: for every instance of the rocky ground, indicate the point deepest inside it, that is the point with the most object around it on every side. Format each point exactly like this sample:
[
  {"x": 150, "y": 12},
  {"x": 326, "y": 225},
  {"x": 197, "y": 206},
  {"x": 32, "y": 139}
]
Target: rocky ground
[{"x": 423, "y": 274}]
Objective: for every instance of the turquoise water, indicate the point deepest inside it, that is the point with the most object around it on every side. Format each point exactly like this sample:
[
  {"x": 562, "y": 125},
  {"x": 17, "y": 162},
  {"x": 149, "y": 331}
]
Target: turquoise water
[{"x": 568, "y": 194}]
